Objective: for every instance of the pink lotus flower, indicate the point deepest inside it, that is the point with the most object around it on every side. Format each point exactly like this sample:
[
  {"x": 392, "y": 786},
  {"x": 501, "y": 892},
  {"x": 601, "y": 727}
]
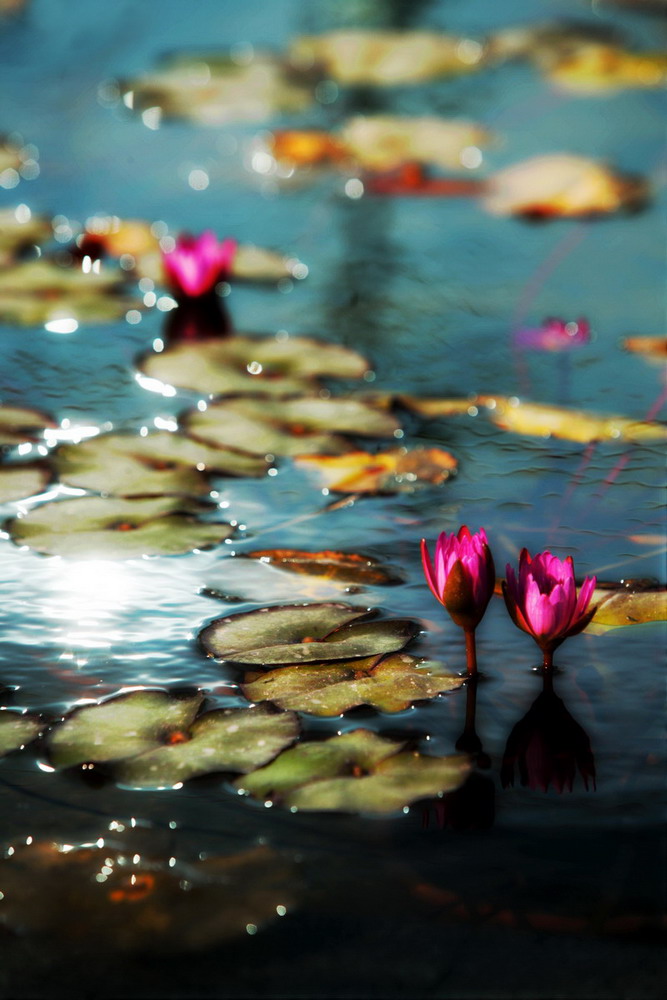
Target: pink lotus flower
[
  {"x": 197, "y": 264},
  {"x": 543, "y": 600},
  {"x": 554, "y": 335}
]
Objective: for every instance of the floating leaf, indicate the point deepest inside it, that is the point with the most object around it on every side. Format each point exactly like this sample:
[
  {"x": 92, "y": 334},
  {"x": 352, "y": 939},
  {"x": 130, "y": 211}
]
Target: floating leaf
[
  {"x": 349, "y": 567},
  {"x": 630, "y": 603},
  {"x": 560, "y": 184},
  {"x": 140, "y": 905},
  {"x": 390, "y": 684},
  {"x": 542, "y": 420},
  {"x": 20, "y": 229},
  {"x": 395, "y": 471},
  {"x": 20, "y": 481},
  {"x": 357, "y": 771},
  {"x": 213, "y": 89},
  {"x": 654, "y": 347},
  {"x": 288, "y": 426},
  {"x": 386, "y": 58},
  {"x": 381, "y": 142},
  {"x": 603, "y": 69},
  {"x": 435, "y": 407},
  {"x": 39, "y": 292},
  {"x": 222, "y": 740},
  {"x": 161, "y": 463},
  {"x": 304, "y": 633},
  {"x": 17, "y": 729},
  {"x": 254, "y": 365},
  {"x": 101, "y": 528},
  {"x": 18, "y": 424}
]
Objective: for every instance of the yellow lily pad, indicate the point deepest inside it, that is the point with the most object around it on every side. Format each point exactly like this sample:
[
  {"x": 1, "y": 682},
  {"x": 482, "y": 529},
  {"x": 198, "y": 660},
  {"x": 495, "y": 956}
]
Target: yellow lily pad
[
  {"x": 109, "y": 528},
  {"x": 17, "y": 729},
  {"x": 389, "y": 684},
  {"x": 304, "y": 633},
  {"x": 385, "y": 58},
  {"x": 630, "y": 603},
  {"x": 397, "y": 471},
  {"x": 20, "y": 229},
  {"x": 253, "y": 365},
  {"x": 654, "y": 348},
  {"x": 157, "y": 464},
  {"x": 357, "y": 771},
  {"x": 541, "y": 420},
  {"x": 349, "y": 567},
  {"x": 603, "y": 69},
  {"x": 289, "y": 426}
]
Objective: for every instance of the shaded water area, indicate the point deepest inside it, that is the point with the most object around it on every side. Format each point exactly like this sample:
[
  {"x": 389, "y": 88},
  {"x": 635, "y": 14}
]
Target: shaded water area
[{"x": 489, "y": 891}]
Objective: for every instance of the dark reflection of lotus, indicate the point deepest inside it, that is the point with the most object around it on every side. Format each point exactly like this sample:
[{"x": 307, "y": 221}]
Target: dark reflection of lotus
[
  {"x": 197, "y": 319},
  {"x": 547, "y": 747}
]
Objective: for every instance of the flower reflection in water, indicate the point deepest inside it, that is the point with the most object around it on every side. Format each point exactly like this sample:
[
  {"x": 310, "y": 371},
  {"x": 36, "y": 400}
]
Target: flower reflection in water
[{"x": 548, "y": 746}]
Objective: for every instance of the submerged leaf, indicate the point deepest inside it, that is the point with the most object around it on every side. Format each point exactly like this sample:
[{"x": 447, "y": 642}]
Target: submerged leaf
[
  {"x": 350, "y": 567},
  {"x": 390, "y": 684},
  {"x": 357, "y": 771},
  {"x": 543, "y": 420},
  {"x": 386, "y": 58},
  {"x": 253, "y": 365},
  {"x": 395, "y": 471},
  {"x": 304, "y": 633},
  {"x": 161, "y": 463},
  {"x": 560, "y": 184},
  {"x": 17, "y": 729},
  {"x": 107, "y": 528},
  {"x": 289, "y": 426},
  {"x": 19, "y": 424},
  {"x": 20, "y": 481}
]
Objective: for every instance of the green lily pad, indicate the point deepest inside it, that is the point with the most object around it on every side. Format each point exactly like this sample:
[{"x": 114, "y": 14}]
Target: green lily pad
[
  {"x": 625, "y": 604},
  {"x": 354, "y": 772},
  {"x": 155, "y": 739},
  {"x": 108, "y": 528},
  {"x": 20, "y": 229},
  {"x": 160, "y": 463},
  {"x": 289, "y": 426},
  {"x": 304, "y": 633},
  {"x": 39, "y": 292},
  {"x": 19, "y": 424},
  {"x": 348, "y": 567},
  {"x": 252, "y": 365},
  {"x": 17, "y": 729},
  {"x": 20, "y": 481},
  {"x": 214, "y": 89},
  {"x": 222, "y": 740},
  {"x": 390, "y": 684}
]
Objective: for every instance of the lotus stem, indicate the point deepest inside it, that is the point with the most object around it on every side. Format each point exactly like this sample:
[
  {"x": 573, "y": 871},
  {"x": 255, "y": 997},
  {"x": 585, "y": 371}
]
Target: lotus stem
[{"x": 471, "y": 652}]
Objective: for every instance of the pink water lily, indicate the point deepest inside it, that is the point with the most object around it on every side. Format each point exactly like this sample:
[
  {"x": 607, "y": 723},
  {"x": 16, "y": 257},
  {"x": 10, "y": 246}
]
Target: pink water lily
[
  {"x": 197, "y": 264},
  {"x": 554, "y": 335},
  {"x": 462, "y": 577},
  {"x": 544, "y": 602}
]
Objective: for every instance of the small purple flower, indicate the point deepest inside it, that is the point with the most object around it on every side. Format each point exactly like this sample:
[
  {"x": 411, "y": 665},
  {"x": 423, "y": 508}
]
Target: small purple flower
[
  {"x": 463, "y": 576},
  {"x": 543, "y": 599},
  {"x": 554, "y": 335},
  {"x": 197, "y": 264}
]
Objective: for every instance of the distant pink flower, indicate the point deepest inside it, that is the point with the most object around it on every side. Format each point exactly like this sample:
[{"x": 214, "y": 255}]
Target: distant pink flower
[
  {"x": 197, "y": 264},
  {"x": 463, "y": 576},
  {"x": 543, "y": 600},
  {"x": 554, "y": 335}
]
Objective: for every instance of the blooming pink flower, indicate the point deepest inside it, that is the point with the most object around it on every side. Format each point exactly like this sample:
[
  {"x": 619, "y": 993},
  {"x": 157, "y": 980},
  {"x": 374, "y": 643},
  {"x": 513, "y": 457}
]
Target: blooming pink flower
[
  {"x": 463, "y": 577},
  {"x": 543, "y": 600},
  {"x": 197, "y": 264},
  {"x": 554, "y": 335}
]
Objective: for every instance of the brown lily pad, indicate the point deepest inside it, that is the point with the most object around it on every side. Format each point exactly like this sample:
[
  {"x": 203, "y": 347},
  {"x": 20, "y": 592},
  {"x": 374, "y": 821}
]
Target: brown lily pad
[
  {"x": 357, "y": 771},
  {"x": 397, "y": 471},
  {"x": 20, "y": 481},
  {"x": 304, "y": 633},
  {"x": 17, "y": 729},
  {"x": 110, "y": 897},
  {"x": 161, "y": 463},
  {"x": 386, "y": 58},
  {"x": 19, "y": 424},
  {"x": 348, "y": 567},
  {"x": 253, "y": 365},
  {"x": 108, "y": 528},
  {"x": 543, "y": 420},
  {"x": 389, "y": 684},
  {"x": 154, "y": 739},
  {"x": 289, "y": 426},
  {"x": 560, "y": 184}
]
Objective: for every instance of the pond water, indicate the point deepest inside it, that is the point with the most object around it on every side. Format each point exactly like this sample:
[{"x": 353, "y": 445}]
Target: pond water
[{"x": 540, "y": 894}]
